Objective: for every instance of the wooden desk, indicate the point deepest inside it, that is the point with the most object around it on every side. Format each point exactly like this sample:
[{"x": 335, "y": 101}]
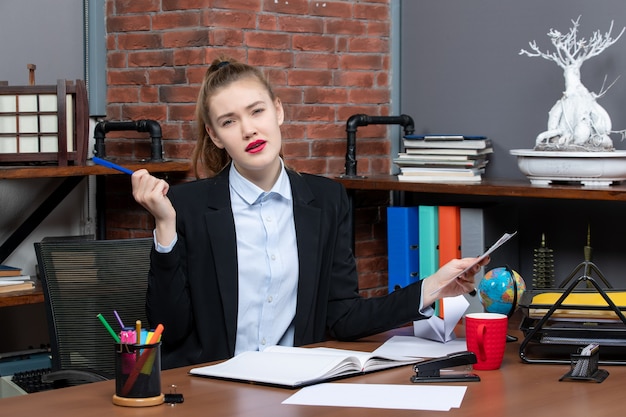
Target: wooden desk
[{"x": 516, "y": 389}]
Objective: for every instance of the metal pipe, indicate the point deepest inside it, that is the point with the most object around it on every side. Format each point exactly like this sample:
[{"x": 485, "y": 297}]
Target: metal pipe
[
  {"x": 357, "y": 120},
  {"x": 352, "y": 125},
  {"x": 150, "y": 126}
]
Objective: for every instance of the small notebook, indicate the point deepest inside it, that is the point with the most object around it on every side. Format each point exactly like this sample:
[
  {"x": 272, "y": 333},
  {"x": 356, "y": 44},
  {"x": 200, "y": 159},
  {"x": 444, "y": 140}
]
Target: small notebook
[
  {"x": 294, "y": 367},
  {"x": 11, "y": 286},
  {"x": 9, "y": 271}
]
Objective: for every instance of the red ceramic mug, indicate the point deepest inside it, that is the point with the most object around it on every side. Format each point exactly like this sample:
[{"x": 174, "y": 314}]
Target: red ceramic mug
[{"x": 485, "y": 334}]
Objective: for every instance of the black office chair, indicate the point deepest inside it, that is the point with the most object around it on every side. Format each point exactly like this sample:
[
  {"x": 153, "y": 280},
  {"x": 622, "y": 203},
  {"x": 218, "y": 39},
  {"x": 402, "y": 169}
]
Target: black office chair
[{"x": 81, "y": 279}]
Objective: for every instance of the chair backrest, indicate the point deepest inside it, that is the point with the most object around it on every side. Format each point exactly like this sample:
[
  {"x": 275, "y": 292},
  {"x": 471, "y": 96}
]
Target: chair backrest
[{"x": 83, "y": 278}]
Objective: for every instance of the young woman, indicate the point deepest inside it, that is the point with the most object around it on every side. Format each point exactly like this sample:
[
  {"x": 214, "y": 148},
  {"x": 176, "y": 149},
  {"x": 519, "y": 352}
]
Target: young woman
[{"x": 257, "y": 254}]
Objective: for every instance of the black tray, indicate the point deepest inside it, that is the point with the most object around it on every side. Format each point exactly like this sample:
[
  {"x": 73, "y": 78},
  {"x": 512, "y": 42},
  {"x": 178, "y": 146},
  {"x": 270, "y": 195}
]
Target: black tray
[{"x": 549, "y": 338}]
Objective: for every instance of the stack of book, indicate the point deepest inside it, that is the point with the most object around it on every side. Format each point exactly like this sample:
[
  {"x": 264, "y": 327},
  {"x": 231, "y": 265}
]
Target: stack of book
[
  {"x": 443, "y": 158},
  {"x": 11, "y": 279}
]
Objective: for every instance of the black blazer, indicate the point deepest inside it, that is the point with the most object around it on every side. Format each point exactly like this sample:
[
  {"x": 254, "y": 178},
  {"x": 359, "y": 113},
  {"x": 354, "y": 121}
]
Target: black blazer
[{"x": 192, "y": 290}]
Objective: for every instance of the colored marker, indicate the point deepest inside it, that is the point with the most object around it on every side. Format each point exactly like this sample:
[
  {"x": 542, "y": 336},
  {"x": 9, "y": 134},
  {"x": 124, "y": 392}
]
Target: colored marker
[
  {"x": 156, "y": 335},
  {"x": 127, "y": 336},
  {"x": 108, "y": 327},
  {"x": 111, "y": 165},
  {"x": 119, "y": 320},
  {"x": 153, "y": 338},
  {"x": 138, "y": 331}
]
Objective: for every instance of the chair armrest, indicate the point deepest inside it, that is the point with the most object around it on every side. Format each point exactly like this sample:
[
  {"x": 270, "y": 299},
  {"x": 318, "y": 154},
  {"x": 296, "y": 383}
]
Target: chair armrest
[{"x": 73, "y": 375}]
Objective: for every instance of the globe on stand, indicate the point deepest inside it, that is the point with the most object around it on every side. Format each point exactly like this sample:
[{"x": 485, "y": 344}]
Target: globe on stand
[{"x": 500, "y": 291}]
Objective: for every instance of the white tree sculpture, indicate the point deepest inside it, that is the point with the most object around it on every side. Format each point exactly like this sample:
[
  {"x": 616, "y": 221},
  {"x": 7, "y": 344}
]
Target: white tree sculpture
[{"x": 576, "y": 122}]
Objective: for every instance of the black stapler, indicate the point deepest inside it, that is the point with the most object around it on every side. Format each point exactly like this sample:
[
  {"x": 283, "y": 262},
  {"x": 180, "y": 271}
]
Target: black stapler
[{"x": 430, "y": 370}]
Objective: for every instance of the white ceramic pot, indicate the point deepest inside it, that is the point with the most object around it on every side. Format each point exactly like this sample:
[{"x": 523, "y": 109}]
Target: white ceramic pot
[{"x": 598, "y": 169}]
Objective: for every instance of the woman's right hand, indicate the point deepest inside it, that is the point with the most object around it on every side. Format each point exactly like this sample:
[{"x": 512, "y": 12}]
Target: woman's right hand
[{"x": 151, "y": 193}]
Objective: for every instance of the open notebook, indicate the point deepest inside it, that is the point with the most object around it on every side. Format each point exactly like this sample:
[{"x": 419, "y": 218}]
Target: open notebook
[{"x": 294, "y": 367}]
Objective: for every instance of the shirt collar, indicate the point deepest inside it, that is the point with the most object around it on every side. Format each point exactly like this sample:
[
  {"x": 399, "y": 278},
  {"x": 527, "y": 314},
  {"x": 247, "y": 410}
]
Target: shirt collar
[{"x": 250, "y": 193}]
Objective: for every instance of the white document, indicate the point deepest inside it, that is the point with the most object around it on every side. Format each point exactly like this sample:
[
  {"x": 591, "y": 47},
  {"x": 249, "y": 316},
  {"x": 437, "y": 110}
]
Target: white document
[
  {"x": 403, "y": 397},
  {"x": 438, "y": 329},
  {"x": 418, "y": 348},
  {"x": 503, "y": 239},
  {"x": 10, "y": 282},
  {"x": 15, "y": 278}
]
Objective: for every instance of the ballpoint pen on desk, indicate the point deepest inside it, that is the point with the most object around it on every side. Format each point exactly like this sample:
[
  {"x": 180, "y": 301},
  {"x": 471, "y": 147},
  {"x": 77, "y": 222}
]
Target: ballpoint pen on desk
[
  {"x": 109, "y": 164},
  {"x": 108, "y": 327}
]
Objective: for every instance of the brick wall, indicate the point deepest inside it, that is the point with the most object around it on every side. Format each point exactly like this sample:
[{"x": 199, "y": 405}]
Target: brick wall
[{"x": 327, "y": 60}]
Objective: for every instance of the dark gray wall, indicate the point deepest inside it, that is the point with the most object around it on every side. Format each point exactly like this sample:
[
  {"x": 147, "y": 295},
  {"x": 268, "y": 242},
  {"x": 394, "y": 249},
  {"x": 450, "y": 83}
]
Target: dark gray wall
[
  {"x": 461, "y": 71},
  {"x": 48, "y": 34}
]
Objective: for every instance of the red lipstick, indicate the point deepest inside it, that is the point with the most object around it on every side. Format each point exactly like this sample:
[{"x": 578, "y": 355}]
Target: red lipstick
[{"x": 256, "y": 146}]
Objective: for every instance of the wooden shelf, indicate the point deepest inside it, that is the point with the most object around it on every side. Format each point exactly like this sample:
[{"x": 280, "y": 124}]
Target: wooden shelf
[
  {"x": 72, "y": 176},
  {"x": 15, "y": 298},
  {"x": 497, "y": 188},
  {"x": 17, "y": 172}
]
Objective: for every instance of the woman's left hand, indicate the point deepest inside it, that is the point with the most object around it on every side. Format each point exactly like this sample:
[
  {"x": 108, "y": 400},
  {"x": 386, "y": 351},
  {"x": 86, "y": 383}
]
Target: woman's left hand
[{"x": 454, "y": 278}]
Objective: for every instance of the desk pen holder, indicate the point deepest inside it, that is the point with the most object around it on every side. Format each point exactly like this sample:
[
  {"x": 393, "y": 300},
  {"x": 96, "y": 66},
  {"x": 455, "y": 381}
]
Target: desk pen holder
[
  {"x": 138, "y": 375},
  {"x": 585, "y": 368}
]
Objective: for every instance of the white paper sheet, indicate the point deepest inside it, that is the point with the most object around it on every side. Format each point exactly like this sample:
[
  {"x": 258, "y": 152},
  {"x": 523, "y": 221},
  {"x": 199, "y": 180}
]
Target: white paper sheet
[
  {"x": 503, "y": 239},
  {"x": 416, "y": 347},
  {"x": 405, "y": 397},
  {"x": 438, "y": 329}
]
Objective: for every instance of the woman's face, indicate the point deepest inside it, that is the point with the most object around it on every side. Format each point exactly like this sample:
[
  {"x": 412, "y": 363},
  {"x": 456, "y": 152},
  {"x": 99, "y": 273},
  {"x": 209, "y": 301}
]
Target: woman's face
[{"x": 245, "y": 121}]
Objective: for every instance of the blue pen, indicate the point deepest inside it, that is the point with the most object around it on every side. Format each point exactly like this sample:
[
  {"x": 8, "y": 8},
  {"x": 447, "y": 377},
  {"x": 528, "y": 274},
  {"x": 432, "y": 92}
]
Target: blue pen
[{"x": 110, "y": 164}]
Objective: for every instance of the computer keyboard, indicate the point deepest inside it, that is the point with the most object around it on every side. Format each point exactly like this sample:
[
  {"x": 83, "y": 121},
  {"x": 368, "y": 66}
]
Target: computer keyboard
[{"x": 30, "y": 381}]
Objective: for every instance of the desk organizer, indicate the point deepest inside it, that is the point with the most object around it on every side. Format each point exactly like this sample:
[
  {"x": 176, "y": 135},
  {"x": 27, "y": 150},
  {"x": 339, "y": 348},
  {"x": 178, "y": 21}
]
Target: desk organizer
[
  {"x": 138, "y": 375},
  {"x": 585, "y": 368},
  {"x": 555, "y": 330},
  {"x": 44, "y": 123}
]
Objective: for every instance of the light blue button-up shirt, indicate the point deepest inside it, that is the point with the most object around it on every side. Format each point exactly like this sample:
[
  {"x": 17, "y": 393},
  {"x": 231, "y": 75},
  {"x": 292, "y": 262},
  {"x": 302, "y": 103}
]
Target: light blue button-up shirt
[{"x": 267, "y": 258}]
